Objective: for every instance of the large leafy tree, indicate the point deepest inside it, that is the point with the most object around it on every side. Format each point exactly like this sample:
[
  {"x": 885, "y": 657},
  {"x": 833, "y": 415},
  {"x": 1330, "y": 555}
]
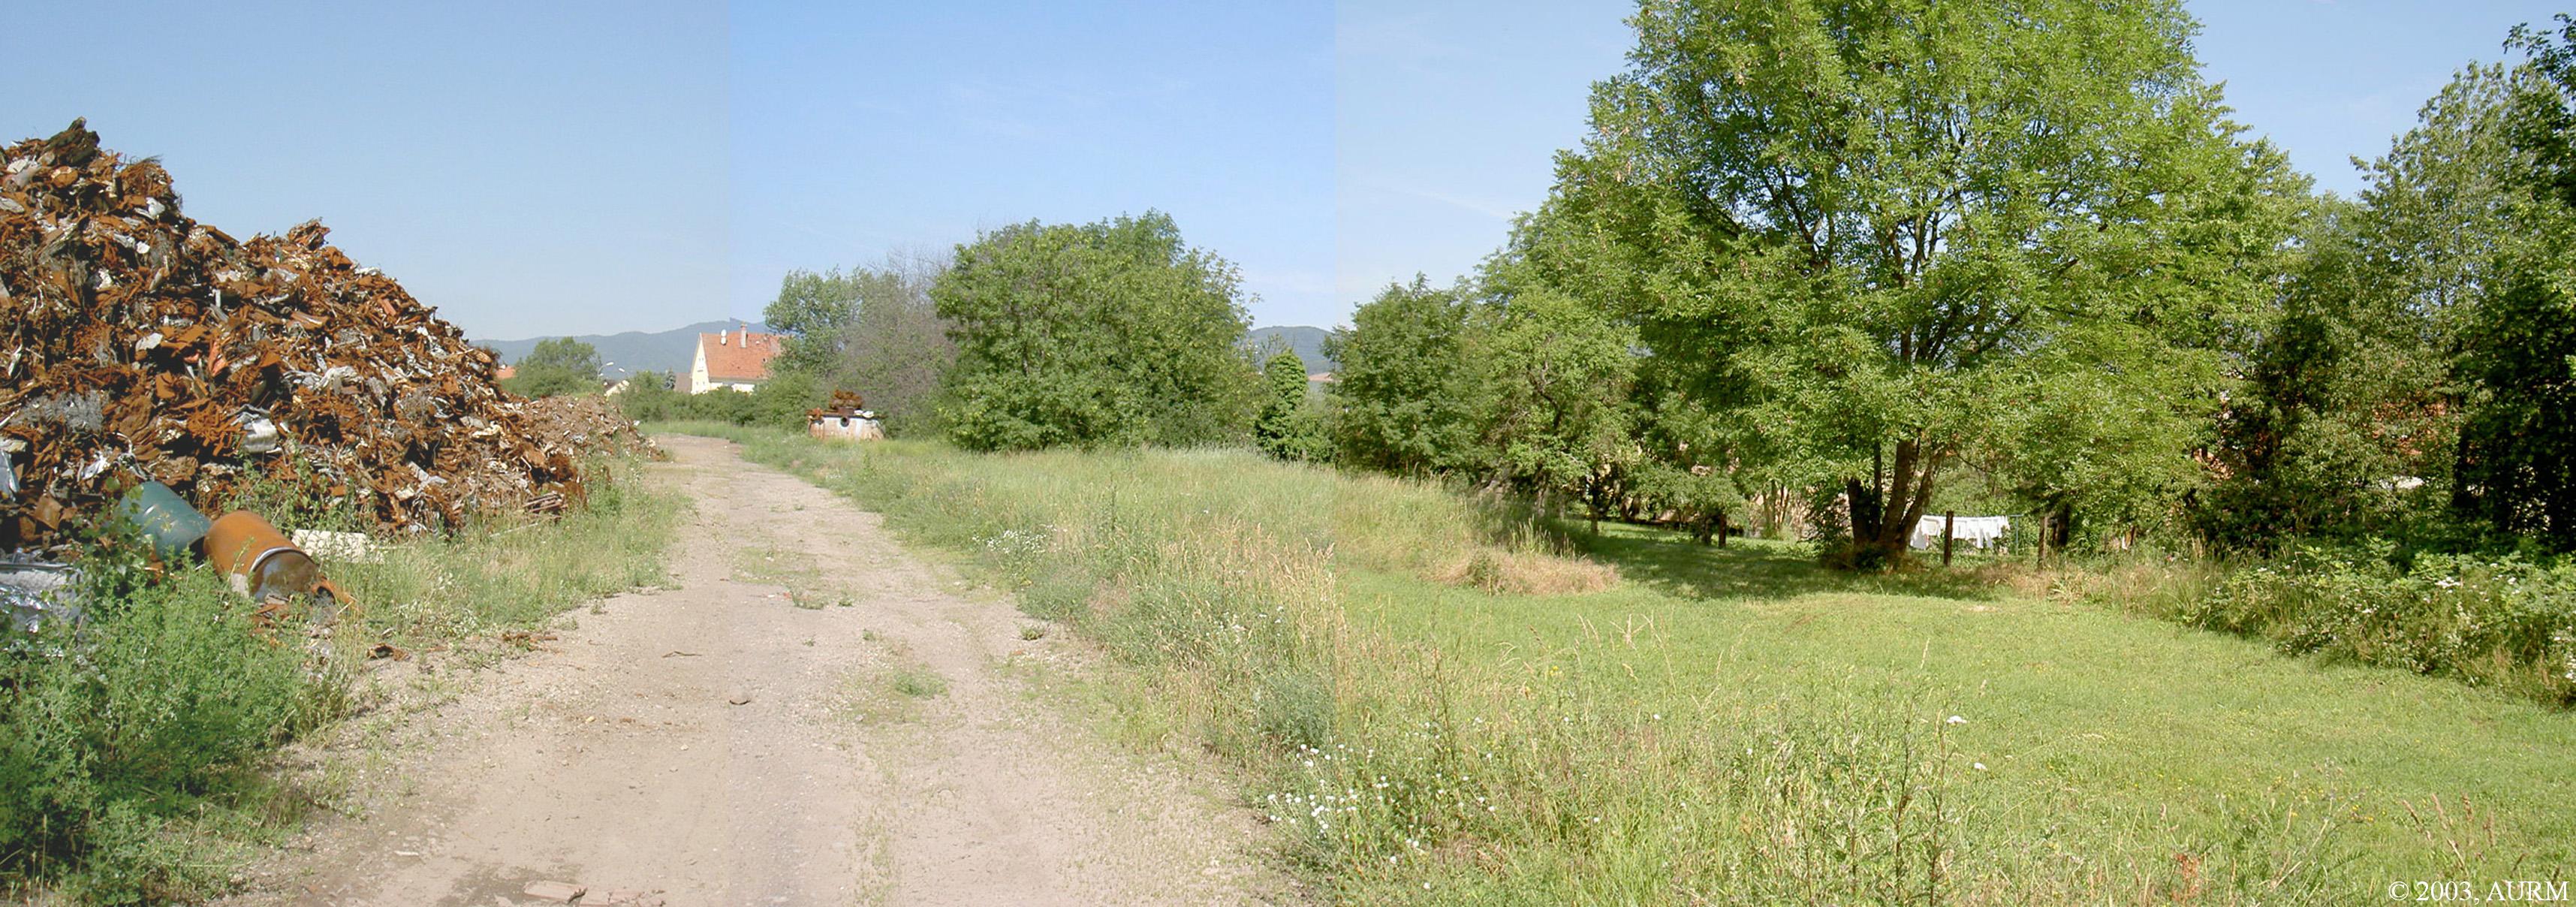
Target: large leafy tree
[
  {"x": 2339, "y": 413},
  {"x": 1113, "y": 332},
  {"x": 897, "y": 350},
  {"x": 1287, "y": 426},
  {"x": 2517, "y": 450},
  {"x": 873, "y": 330},
  {"x": 2352, "y": 394},
  {"x": 1863, "y": 231},
  {"x": 1558, "y": 419},
  {"x": 558, "y": 366},
  {"x": 812, "y": 309},
  {"x": 1410, "y": 388}
]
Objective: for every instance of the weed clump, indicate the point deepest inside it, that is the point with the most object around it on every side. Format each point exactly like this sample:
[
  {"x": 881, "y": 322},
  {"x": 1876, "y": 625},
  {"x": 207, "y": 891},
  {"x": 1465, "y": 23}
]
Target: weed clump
[
  {"x": 130, "y": 746},
  {"x": 2503, "y": 621},
  {"x": 917, "y": 682},
  {"x": 121, "y": 732}
]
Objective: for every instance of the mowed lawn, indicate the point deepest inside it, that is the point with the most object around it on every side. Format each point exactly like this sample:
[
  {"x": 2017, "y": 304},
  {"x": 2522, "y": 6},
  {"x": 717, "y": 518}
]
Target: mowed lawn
[{"x": 2100, "y": 733}]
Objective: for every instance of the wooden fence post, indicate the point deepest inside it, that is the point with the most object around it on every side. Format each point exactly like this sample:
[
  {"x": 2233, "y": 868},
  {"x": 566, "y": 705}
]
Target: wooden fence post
[{"x": 1949, "y": 519}]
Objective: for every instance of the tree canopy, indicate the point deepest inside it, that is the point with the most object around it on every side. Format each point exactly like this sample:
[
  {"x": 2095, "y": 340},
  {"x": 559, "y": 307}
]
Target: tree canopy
[
  {"x": 1113, "y": 332},
  {"x": 558, "y": 366},
  {"x": 1869, "y": 240},
  {"x": 871, "y": 330},
  {"x": 1409, "y": 390}
]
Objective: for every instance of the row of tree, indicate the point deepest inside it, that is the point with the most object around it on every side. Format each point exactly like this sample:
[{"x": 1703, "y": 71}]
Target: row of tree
[
  {"x": 1036, "y": 335},
  {"x": 1866, "y": 262},
  {"x": 1866, "y": 252}
]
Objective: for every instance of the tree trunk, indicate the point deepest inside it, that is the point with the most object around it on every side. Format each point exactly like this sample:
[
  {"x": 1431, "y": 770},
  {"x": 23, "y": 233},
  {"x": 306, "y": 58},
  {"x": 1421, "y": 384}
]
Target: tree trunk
[
  {"x": 1861, "y": 506},
  {"x": 1894, "y": 518}
]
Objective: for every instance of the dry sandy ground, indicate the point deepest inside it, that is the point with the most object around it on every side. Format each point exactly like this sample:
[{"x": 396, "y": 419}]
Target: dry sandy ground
[{"x": 747, "y": 738}]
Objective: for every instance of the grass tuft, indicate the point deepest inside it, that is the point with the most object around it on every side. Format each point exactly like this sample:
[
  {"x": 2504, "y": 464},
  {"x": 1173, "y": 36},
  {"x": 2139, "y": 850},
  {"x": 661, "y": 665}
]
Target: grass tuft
[{"x": 917, "y": 682}]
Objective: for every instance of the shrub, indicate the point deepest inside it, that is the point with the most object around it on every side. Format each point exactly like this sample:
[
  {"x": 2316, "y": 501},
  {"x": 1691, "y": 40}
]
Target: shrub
[
  {"x": 2497, "y": 621},
  {"x": 132, "y": 720},
  {"x": 649, "y": 397}
]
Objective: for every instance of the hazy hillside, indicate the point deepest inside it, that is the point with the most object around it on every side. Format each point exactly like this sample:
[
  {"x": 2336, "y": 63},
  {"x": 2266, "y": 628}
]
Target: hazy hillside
[
  {"x": 1307, "y": 341},
  {"x": 634, "y": 351}
]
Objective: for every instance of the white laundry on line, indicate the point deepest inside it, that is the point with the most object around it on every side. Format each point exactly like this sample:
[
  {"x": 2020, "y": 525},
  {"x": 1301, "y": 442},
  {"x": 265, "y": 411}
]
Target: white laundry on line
[{"x": 1980, "y": 531}]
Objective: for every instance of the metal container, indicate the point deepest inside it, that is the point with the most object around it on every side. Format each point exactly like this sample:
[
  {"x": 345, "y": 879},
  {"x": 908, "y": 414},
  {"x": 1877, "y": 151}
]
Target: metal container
[
  {"x": 258, "y": 560},
  {"x": 164, "y": 517}
]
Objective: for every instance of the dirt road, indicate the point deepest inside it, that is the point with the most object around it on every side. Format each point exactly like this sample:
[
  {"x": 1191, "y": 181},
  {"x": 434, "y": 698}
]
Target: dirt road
[{"x": 813, "y": 716}]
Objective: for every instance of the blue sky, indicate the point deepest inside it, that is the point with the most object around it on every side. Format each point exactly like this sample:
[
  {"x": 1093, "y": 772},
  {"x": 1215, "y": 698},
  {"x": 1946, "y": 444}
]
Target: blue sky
[
  {"x": 574, "y": 167},
  {"x": 873, "y": 128},
  {"x": 2330, "y": 79},
  {"x": 525, "y": 167}
]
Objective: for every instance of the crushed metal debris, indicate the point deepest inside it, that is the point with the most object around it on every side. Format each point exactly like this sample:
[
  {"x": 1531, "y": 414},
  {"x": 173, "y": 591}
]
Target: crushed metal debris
[{"x": 137, "y": 344}]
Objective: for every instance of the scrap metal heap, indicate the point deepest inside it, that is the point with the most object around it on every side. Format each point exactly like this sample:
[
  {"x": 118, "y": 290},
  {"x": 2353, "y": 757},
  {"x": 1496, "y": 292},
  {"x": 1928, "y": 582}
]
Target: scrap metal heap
[{"x": 138, "y": 344}]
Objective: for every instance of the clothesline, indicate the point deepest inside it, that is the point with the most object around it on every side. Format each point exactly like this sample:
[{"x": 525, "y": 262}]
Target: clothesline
[{"x": 1979, "y": 531}]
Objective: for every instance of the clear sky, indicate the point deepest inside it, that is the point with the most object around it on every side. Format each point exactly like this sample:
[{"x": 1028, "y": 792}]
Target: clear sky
[
  {"x": 862, "y": 129},
  {"x": 2328, "y": 80},
  {"x": 528, "y": 168},
  {"x": 572, "y": 167}
]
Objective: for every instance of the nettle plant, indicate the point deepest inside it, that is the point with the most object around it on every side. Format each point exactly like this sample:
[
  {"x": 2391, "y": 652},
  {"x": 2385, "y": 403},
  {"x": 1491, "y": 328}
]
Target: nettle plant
[{"x": 2501, "y": 621}]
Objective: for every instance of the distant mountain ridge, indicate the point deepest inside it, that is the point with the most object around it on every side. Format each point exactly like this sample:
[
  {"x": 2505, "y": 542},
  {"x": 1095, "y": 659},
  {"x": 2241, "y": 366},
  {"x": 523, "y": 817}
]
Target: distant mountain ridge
[
  {"x": 672, "y": 351},
  {"x": 676, "y": 349},
  {"x": 1307, "y": 342}
]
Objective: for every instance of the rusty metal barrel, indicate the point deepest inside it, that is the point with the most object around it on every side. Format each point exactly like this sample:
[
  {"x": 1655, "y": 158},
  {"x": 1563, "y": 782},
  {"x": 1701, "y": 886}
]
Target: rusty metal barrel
[{"x": 258, "y": 560}]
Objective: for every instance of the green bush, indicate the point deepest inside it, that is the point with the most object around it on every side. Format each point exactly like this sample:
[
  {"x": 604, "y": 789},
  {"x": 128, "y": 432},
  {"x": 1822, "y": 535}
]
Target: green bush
[
  {"x": 779, "y": 403},
  {"x": 2497, "y": 621},
  {"x": 109, "y": 731},
  {"x": 782, "y": 401}
]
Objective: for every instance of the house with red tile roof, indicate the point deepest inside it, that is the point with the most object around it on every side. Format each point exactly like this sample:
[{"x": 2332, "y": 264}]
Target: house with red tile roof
[{"x": 736, "y": 358}]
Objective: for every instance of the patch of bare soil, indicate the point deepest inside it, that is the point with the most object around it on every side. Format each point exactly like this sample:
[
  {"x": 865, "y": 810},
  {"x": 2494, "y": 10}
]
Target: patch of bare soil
[{"x": 813, "y": 716}]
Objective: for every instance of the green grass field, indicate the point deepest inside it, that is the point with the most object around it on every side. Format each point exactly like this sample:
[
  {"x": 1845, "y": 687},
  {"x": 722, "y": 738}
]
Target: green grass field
[
  {"x": 1718, "y": 726},
  {"x": 2106, "y": 738}
]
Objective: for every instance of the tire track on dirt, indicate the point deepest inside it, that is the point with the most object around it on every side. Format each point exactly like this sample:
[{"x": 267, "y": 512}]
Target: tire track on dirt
[{"x": 747, "y": 738}]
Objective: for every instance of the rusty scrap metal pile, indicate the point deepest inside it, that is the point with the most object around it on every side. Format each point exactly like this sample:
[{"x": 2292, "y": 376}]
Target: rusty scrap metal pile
[{"x": 137, "y": 344}]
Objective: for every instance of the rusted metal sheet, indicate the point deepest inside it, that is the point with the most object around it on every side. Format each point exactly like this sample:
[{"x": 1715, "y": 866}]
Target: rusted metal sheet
[{"x": 137, "y": 344}]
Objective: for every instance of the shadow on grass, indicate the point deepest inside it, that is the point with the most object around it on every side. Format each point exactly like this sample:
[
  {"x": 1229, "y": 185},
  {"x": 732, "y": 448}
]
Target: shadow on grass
[{"x": 1760, "y": 569}]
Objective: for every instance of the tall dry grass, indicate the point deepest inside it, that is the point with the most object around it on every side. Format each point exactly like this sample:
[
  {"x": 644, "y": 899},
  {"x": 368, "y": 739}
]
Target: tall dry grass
[{"x": 1396, "y": 770}]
